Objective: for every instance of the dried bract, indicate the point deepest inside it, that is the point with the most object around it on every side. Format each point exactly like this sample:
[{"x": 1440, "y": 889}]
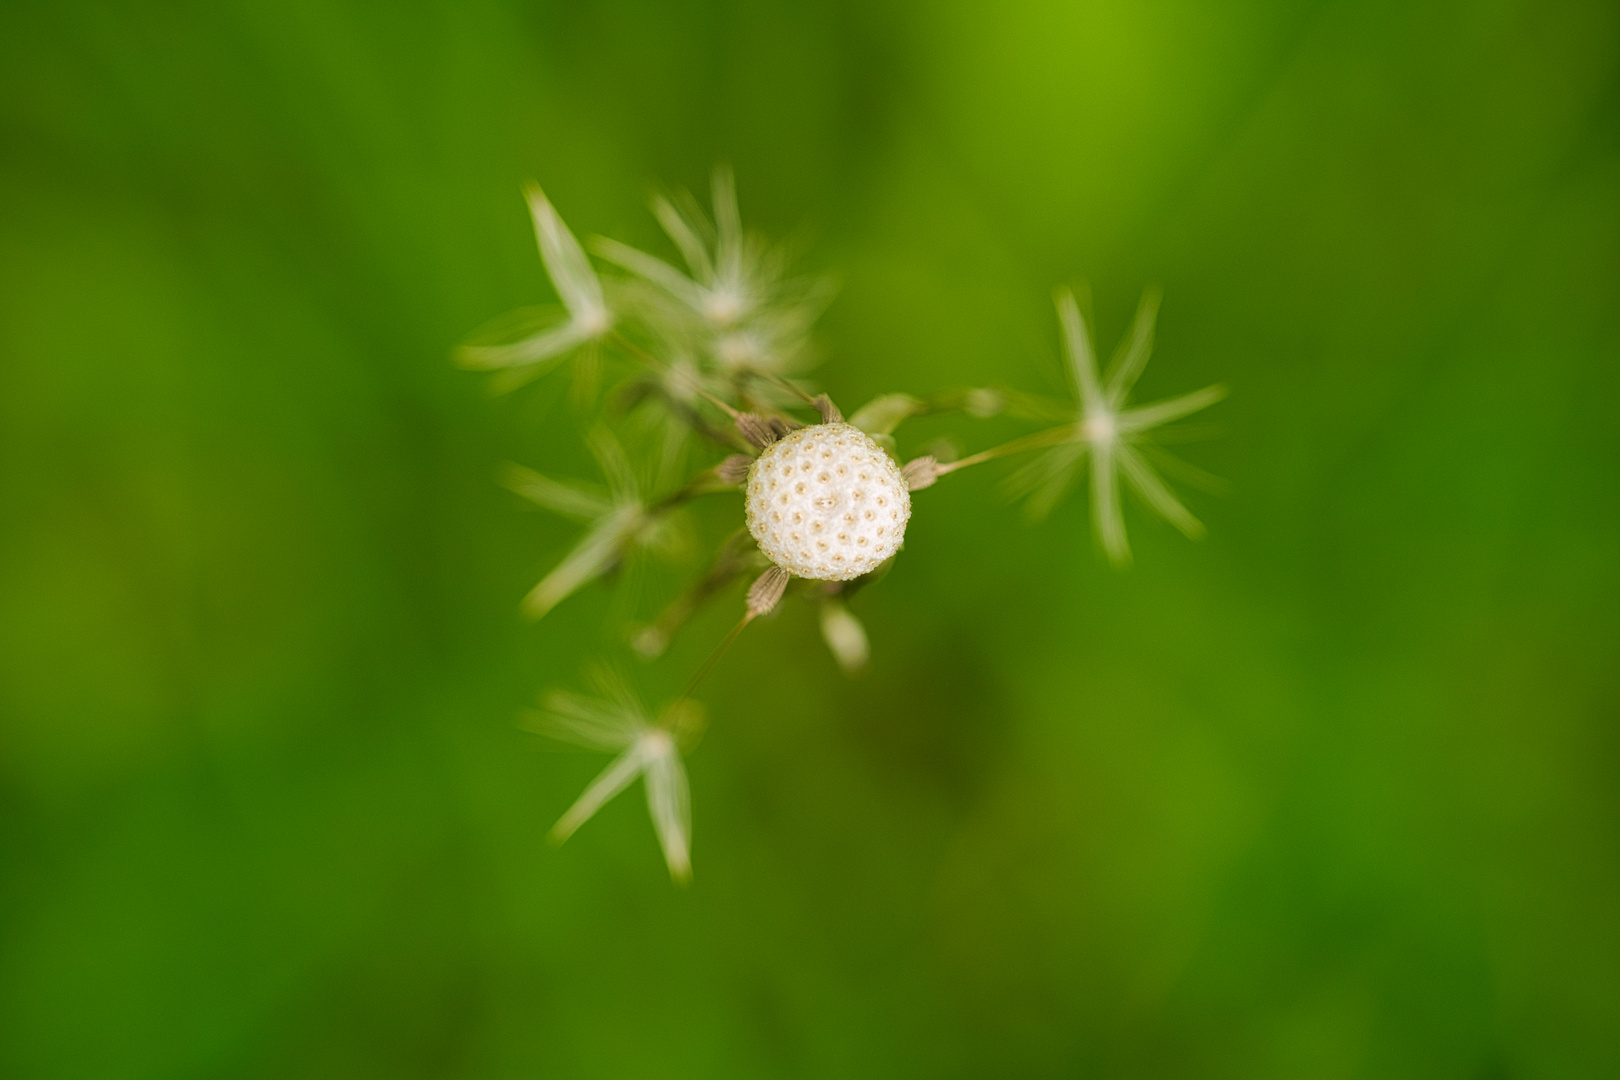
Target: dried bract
[
  {"x": 756, "y": 429},
  {"x": 734, "y": 469},
  {"x": 921, "y": 472},
  {"x": 765, "y": 593}
]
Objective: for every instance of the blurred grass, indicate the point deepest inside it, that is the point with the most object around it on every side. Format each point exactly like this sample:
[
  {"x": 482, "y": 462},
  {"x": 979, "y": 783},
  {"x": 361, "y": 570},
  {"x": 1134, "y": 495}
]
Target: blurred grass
[{"x": 1329, "y": 794}]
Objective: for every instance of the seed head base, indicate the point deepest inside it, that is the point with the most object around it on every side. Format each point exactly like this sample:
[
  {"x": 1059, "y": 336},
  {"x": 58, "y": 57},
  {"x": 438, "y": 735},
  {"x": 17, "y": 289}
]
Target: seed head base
[{"x": 826, "y": 502}]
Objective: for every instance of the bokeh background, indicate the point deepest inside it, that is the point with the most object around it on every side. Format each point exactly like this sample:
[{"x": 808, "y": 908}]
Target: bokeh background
[{"x": 1331, "y": 794}]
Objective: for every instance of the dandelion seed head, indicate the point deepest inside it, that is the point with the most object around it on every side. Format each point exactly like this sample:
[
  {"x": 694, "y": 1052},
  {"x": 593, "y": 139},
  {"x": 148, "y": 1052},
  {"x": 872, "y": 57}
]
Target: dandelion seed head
[{"x": 819, "y": 476}]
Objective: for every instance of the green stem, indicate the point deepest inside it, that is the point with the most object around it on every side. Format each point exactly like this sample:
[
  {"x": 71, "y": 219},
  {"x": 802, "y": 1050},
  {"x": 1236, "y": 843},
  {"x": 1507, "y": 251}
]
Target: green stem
[
  {"x": 714, "y": 658},
  {"x": 704, "y": 483},
  {"x": 726, "y": 568},
  {"x": 695, "y": 420},
  {"x": 721, "y": 405},
  {"x": 637, "y": 351},
  {"x": 785, "y": 385},
  {"x": 1049, "y": 437}
]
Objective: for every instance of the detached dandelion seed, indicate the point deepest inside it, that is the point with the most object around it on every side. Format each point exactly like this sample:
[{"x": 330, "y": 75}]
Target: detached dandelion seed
[
  {"x": 620, "y": 519},
  {"x": 618, "y": 722},
  {"x": 1110, "y": 435},
  {"x": 736, "y": 298},
  {"x": 588, "y": 316}
]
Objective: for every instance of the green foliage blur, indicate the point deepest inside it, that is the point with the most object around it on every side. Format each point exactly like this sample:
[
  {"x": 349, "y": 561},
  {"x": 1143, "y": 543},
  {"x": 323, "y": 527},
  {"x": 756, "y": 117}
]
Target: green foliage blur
[{"x": 1333, "y": 793}]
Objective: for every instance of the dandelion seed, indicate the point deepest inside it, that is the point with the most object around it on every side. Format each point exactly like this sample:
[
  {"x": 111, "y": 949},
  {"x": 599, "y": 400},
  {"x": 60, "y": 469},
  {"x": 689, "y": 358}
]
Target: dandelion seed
[
  {"x": 583, "y": 502},
  {"x": 737, "y": 554},
  {"x": 751, "y": 316},
  {"x": 619, "y": 722},
  {"x": 1111, "y": 435},
  {"x": 620, "y": 520},
  {"x": 597, "y": 552},
  {"x": 589, "y": 318}
]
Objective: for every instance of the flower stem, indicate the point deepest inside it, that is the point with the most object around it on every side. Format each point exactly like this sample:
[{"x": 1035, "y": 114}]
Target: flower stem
[
  {"x": 637, "y": 351},
  {"x": 714, "y": 657},
  {"x": 704, "y": 483},
  {"x": 727, "y": 567},
  {"x": 1049, "y": 437},
  {"x": 772, "y": 376}
]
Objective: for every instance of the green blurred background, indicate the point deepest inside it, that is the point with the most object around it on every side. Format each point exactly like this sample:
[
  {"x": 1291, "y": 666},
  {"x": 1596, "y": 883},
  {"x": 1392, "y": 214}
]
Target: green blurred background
[{"x": 1331, "y": 794}]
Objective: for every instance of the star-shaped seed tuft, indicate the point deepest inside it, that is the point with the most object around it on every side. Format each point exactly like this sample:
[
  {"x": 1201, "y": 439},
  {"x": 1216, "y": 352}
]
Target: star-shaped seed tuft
[
  {"x": 1117, "y": 439},
  {"x": 618, "y": 722}
]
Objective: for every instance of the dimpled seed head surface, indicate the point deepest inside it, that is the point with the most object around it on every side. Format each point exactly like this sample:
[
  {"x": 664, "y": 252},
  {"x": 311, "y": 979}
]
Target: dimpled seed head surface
[{"x": 826, "y": 502}]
